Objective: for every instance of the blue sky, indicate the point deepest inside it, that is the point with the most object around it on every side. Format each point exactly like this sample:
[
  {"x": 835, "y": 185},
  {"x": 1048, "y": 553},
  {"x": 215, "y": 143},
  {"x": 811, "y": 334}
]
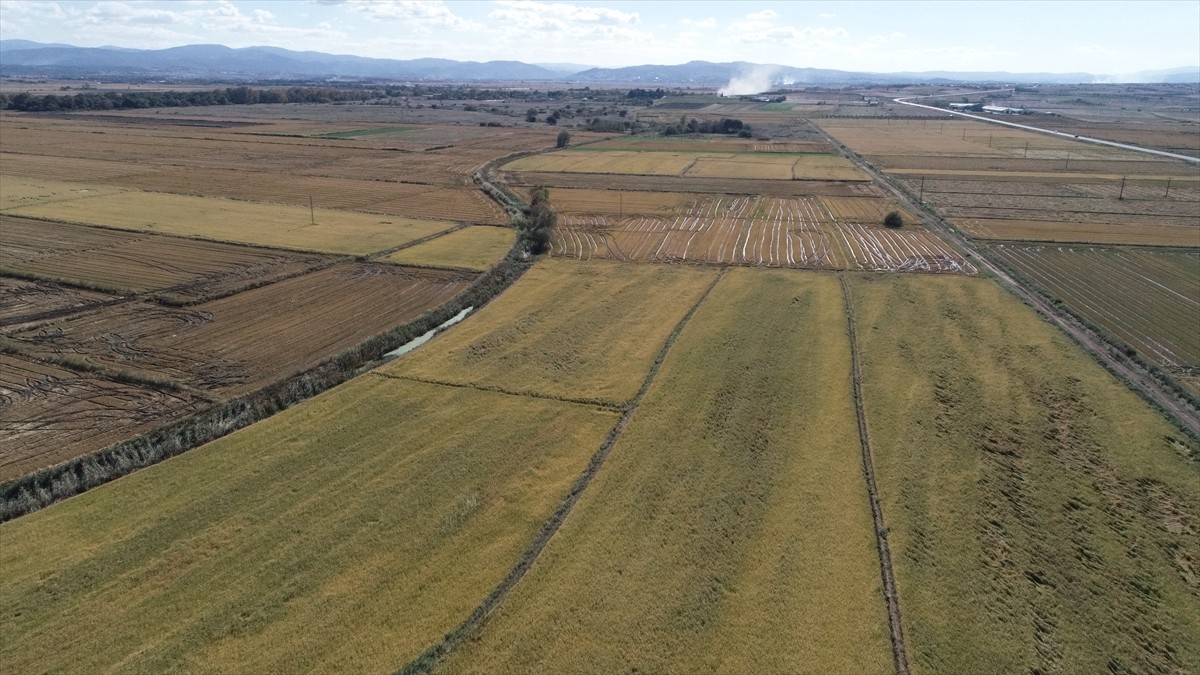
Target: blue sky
[{"x": 1096, "y": 37}]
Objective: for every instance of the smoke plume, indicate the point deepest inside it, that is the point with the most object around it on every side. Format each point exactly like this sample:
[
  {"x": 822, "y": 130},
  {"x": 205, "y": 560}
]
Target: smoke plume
[{"x": 753, "y": 81}]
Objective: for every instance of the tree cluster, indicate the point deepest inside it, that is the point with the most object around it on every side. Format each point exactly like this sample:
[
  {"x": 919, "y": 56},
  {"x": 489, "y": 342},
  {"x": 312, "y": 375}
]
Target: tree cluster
[
  {"x": 722, "y": 126},
  {"x": 650, "y": 94},
  {"x": 112, "y": 100},
  {"x": 533, "y": 231}
]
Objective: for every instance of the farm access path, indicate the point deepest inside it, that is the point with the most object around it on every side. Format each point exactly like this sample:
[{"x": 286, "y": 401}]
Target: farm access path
[{"x": 1183, "y": 415}]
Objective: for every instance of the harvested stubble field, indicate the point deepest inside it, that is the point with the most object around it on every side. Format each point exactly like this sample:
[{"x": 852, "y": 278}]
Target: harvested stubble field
[
  {"x": 1150, "y": 299},
  {"x": 566, "y": 330},
  {"x": 346, "y": 232},
  {"x": 476, "y": 248},
  {"x": 710, "y": 164},
  {"x": 347, "y": 533},
  {"x": 960, "y": 141},
  {"x": 729, "y": 530},
  {"x": 797, "y": 232},
  {"x": 21, "y": 299},
  {"x": 691, "y": 184},
  {"x": 686, "y": 144},
  {"x": 1068, "y": 208},
  {"x": 428, "y": 176},
  {"x": 615, "y": 202},
  {"x": 1041, "y": 517},
  {"x": 239, "y": 343},
  {"x": 187, "y": 269},
  {"x": 50, "y": 414}
]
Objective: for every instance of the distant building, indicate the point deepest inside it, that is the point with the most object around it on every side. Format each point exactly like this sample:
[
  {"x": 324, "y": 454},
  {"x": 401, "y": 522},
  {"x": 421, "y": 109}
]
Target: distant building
[
  {"x": 1003, "y": 110},
  {"x": 963, "y": 106}
]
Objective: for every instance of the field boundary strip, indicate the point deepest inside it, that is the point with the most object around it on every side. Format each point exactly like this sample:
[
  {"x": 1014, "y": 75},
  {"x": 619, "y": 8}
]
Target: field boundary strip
[
  {"x": 590, "y": 402},
  {"x": 899, "y": 655},
  {"x": 431, "y": 657}
]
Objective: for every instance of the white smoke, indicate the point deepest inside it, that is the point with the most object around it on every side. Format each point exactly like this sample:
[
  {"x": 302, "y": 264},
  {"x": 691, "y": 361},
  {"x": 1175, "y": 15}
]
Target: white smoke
[{"x": 754, "y": 81}]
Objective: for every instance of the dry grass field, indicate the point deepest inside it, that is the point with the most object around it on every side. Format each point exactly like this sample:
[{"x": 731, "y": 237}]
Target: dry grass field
[
  {"x": 475, "y": 248},
  {"x": 729, "y": 530},
  {"x": 566, "y": 330},
  {"x": 346, "y": 232},
  {"x": 343, "y": 534},
  {"x": 1042, "y": 518}
]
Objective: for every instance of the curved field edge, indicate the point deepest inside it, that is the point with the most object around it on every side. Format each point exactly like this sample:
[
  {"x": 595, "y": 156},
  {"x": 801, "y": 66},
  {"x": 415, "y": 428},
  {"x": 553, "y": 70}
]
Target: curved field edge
[
  {"x": 729, "y": 530},
  {"x": 37, "y": 490},
  {"x": 368, "y": 520},
  {"x": 1041, "y": 517}
]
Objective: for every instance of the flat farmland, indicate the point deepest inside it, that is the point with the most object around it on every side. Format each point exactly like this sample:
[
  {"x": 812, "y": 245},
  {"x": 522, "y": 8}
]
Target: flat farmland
[
  {"x": 1075, "y": 208},
  {"x": 1149, "y": 299},
  {"x": 1131, "y": 231},
  {"x": 566, "y": 330},
  {"x": 798, "y": 232},
  {"x": 475, "y": 248},
  {"x": 136, "y": 262},
  {"x": 1040, "y": 515},
  {"x": 50, "y": 414},
  {"x": 752, "y": 165},
  {"x": 617, "y": 202},
  {"x": 685, "y": 144},
  {"x": 22, "y": 299},
  {"x": 997, "y": 182},
  {"x": 18, "y": 192},
  {"x": 929, "y": 140},
  {"x": 729, "y": 530},
  {"x": 346, "y": 533},
  {"x": 692, "y": 184},
  {"x": 242, "y": 342},
  {"x": 346, "y": 232}
]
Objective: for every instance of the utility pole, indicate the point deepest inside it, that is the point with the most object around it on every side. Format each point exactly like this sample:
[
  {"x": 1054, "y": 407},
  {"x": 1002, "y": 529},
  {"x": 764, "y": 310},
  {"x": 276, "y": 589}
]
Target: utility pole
[
  {"x": 312, "y": 216},
  {"x": 1122, "y": 195},
  {"x": 620, "y": 205},
  {"x": 1168, "y": 192},
  {"x": 921, "y": 197},
  {"x": 1068, "y": 160},
  {"x": 1026, "y": 156}
]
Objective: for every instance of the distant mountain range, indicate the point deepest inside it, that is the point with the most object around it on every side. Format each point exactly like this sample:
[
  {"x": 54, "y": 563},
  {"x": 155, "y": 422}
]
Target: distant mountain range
[{"x": 34, "y": 59}]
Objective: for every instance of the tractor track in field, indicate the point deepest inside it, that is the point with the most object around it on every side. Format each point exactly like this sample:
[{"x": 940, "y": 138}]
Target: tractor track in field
[
  {"x": 1181, "y": 414},
  {"x": 431, "y": 657},
  {"x": 896, "y": 630}
]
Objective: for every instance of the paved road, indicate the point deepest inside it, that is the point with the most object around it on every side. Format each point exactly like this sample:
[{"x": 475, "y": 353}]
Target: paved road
[{"x": 1087, "y": 139}]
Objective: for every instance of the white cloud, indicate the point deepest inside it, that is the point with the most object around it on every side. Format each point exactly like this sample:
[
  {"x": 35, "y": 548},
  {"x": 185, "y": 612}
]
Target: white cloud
[
  {"x": 703, "y": 24},
  {"x": 421, "y": 14}
]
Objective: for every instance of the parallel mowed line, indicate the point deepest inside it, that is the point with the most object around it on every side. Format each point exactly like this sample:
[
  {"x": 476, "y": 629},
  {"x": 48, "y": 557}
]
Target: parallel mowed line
[{"x": 729, "y": 530}]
